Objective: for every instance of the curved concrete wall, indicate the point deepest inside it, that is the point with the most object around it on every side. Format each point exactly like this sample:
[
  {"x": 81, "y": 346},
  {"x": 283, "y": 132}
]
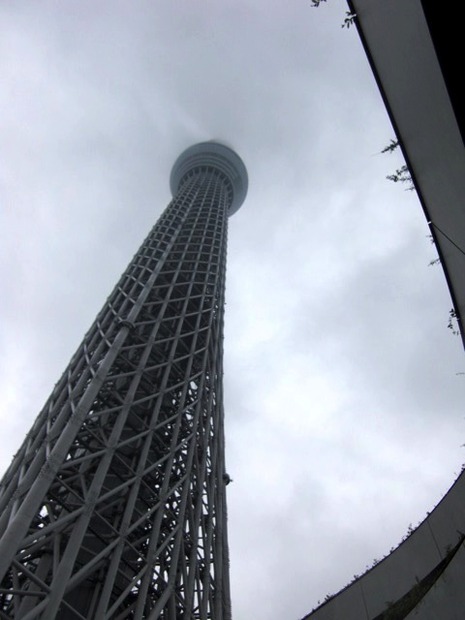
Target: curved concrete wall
[
  {"x": 446, "y": 599},
  {"x": 399, "y": 572}
]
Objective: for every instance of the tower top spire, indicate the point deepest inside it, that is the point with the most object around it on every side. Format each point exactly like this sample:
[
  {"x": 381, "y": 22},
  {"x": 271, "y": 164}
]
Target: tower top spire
[{"x": 214, "y": 155}]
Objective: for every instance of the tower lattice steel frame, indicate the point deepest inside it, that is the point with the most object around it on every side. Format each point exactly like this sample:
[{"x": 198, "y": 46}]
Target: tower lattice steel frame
[{"x": 114, "y": 507}]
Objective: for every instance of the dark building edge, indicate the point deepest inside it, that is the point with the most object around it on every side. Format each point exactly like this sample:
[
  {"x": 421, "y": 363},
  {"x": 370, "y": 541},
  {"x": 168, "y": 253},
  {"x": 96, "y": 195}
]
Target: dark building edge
[
  {"x": 448, "y": 50},
  {"x": 426, "y": 593}
]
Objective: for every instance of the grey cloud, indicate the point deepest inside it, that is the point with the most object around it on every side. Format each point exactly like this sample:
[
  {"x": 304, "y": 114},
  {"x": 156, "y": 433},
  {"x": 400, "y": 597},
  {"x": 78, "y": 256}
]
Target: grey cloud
[{"x": 341, "y": 377}]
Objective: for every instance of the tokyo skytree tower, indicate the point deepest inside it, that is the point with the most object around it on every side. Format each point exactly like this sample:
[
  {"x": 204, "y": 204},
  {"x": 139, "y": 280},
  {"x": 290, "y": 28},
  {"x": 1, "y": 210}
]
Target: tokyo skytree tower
[{"x": 114, "y": 507}]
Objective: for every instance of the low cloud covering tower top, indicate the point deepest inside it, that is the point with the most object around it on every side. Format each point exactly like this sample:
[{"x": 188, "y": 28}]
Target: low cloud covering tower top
[{"x": 220, "y": 158}]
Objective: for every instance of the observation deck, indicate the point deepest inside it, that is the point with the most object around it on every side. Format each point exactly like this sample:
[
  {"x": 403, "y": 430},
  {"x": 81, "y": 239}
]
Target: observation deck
[{"x": 219, "y": 157}]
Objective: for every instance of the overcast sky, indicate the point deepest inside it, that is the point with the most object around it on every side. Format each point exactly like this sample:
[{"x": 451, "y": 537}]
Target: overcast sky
[{"x": 344, "y": 387}]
